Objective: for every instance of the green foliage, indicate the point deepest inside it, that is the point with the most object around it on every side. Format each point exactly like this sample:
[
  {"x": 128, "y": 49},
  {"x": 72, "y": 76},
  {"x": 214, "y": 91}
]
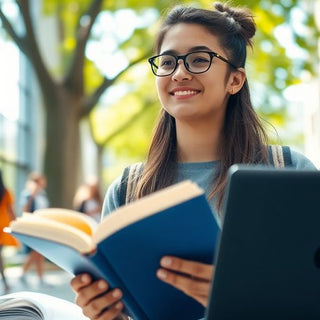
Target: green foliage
[
  {"x": 92, "y": 78},
  {"x": 139, "y": 105}
]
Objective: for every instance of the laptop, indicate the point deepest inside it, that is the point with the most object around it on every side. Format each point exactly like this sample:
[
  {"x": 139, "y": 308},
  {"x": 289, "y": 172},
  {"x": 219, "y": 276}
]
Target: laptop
[{"x": 268, "y": 259}]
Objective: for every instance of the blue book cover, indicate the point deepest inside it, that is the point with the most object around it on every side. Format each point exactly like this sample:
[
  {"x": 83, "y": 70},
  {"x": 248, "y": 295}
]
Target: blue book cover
[{"x": 130, "y": 257}]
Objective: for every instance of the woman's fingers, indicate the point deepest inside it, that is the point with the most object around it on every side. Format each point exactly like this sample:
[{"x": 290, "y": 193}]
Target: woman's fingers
[
  {"x": 184, "y": 283},
  {"x": 91, "y": 292},
  {"x": 192, "y": 278},
  {"x": 112, "y": 313},
  {"x": 106, "y": 306},
  {"x": 95, "y": 298},
  {"x": 80, "y": 281},
  {"x": 192, "y": 268}
]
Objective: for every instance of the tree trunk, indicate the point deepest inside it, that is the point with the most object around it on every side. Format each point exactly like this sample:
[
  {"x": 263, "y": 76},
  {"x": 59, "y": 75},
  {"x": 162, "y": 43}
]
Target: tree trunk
[
  {"x": 99, "y": 162},
  {"x": 62, "y": 153}
]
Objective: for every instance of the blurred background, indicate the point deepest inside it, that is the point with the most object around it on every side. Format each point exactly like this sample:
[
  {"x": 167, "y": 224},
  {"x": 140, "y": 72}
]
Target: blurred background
[{"x": 78, "y": 101}]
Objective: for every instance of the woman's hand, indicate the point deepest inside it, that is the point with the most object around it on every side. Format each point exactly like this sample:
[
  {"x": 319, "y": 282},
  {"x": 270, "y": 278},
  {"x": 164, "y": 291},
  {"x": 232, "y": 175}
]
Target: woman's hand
[
  {"x": 95, "y": 298},
  {"x": 193, "y": 278}
]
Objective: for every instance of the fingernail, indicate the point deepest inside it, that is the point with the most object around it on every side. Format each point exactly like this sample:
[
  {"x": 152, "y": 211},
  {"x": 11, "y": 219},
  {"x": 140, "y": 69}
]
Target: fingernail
[
  {"x": 116, "y": 293},
  {"x": 102, "y": 285},
  {"x": 162, "y": 274},
  {"x": 85, "y": 278},
  {"x": 165, "y": 262},
  {"x": 118, "y": 305}
]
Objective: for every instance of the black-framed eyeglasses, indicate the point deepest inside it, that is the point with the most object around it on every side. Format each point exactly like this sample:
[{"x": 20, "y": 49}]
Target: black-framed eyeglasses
[{"x": 196, "y": 62}]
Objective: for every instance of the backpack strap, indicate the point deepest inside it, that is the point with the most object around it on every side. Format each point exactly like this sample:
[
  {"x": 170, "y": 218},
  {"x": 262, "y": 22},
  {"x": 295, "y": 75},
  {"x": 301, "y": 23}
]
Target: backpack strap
[
  {"x": 287, "y": 156},
  {"x": 129, "y": 181},
  {"x": 123, "y": 186},
  {"x": 280, "y": 156}
]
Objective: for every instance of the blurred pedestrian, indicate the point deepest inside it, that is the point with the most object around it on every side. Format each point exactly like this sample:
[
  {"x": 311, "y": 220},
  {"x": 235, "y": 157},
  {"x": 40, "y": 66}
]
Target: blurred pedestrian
[
  {"x": 88, "y": 199},
  {"x": 6, "y": 215},
  {"x": 34, "y": 197}
]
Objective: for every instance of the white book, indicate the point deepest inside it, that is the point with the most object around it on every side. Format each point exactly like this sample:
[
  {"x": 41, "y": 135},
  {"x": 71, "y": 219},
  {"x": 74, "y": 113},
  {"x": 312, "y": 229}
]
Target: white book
[{"x": 27, "y": 305}]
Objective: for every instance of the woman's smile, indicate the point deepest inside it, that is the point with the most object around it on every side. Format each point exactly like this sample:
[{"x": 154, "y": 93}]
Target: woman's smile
[{"x": 184, "y": 92}]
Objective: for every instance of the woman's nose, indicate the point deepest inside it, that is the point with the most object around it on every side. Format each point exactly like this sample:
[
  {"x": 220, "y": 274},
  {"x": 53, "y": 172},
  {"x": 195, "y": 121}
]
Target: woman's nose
[{"x": 181, "y": 73}]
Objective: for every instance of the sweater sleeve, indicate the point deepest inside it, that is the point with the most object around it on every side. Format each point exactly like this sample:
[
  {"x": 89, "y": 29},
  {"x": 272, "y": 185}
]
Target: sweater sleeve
[
  {"x": 301, "y": 162},
  {"x": 112, "y": 198}
]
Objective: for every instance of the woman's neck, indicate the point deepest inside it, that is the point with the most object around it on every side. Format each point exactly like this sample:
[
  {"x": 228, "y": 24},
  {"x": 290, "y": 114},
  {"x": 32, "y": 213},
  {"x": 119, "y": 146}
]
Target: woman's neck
[{"x": 197, "y": 143}]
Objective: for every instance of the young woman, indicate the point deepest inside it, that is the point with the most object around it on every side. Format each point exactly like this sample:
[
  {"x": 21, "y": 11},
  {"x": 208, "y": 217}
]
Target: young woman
[{"x": 207, "y": 123}]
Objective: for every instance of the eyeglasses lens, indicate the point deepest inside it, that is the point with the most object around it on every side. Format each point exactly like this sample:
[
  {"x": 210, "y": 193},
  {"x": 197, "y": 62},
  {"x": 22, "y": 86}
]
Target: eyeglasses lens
[
  {"x": 164, "y": 65},
  {"x": 198, "y": 62}
]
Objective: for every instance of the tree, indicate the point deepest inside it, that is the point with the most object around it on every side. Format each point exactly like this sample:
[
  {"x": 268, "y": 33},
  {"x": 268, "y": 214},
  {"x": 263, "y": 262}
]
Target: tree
[{"x": 66, "y": 100}]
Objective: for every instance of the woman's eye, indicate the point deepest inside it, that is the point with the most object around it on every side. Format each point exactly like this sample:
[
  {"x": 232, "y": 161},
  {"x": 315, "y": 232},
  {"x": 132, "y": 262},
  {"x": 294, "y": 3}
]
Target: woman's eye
[
  {"x": 200, "y": 60},
  {"x": 166, "y": 63}
]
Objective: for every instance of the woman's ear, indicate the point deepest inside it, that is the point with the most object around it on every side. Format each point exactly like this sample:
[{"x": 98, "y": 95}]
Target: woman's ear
[{"x": 236, "y": 80}]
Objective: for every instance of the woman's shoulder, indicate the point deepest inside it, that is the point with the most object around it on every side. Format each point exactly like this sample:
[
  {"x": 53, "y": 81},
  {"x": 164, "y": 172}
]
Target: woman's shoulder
[
  {"x": 117, "y": 189},
  {"x": 112, "y": 197},
  {"x": 280, "y": 156},
  {"x": 300, "y": 161}
]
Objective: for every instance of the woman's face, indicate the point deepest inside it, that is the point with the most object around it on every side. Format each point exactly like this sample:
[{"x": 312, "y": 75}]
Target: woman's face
[{"x": 188, "y": 96}]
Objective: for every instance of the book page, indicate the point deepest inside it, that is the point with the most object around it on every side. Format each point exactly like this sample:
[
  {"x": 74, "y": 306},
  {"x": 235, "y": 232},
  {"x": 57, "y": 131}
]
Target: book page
[
  {"x": 19, "y": 308},
  {"x": 49, "y": 307},
  {"x": 56, "y": 231},
  {"x": 73, "y": 218},
  {"x": 146, "y": 206}
]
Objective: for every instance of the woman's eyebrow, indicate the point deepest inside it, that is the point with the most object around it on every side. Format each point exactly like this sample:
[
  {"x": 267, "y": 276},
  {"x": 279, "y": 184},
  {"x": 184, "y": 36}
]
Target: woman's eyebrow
[
  {"x": 197, "y": 48},
  {"x": 169, "y": 52}
]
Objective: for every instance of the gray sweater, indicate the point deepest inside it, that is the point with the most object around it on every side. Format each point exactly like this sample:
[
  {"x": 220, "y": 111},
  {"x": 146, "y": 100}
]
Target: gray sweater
[{"x": 200, "y": 172}]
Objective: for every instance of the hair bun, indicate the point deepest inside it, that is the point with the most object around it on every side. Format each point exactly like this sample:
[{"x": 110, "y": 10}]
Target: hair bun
[{"x": 241, "y": 19}]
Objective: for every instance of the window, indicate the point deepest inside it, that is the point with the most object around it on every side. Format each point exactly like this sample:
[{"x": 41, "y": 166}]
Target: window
[{"x": 15, "y": 137}]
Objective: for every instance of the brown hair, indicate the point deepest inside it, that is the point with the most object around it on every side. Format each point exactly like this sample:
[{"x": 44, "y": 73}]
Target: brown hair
[{"x": 243, "y": 137}]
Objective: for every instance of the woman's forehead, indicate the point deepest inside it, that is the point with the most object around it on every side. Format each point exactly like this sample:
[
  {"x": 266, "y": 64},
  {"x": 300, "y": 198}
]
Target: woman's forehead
[{"x": 183, "y": 36}]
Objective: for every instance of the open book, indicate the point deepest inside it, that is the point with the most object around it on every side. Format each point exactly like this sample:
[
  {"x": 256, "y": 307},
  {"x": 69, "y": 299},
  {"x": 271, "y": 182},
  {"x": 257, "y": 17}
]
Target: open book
[
  {"x": 126, "y": 248},
  {"x": 27, "y": 305}
]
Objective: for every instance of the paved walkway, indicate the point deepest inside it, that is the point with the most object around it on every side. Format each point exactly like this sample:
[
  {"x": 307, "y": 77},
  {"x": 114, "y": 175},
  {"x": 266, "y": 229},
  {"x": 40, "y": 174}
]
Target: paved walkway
[{"x": 56, "y": 281}]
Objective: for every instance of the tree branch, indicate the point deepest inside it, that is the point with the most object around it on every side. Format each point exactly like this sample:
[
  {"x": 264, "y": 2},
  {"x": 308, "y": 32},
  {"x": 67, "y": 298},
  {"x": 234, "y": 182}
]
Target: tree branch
[
  {"x": 14, "y": 36},
  {"x": 74, "y": 76},
  {"x": 91, "y": 100},
  {"x": 32, "y": 50},
  {"x": 123, "y": 126}
]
